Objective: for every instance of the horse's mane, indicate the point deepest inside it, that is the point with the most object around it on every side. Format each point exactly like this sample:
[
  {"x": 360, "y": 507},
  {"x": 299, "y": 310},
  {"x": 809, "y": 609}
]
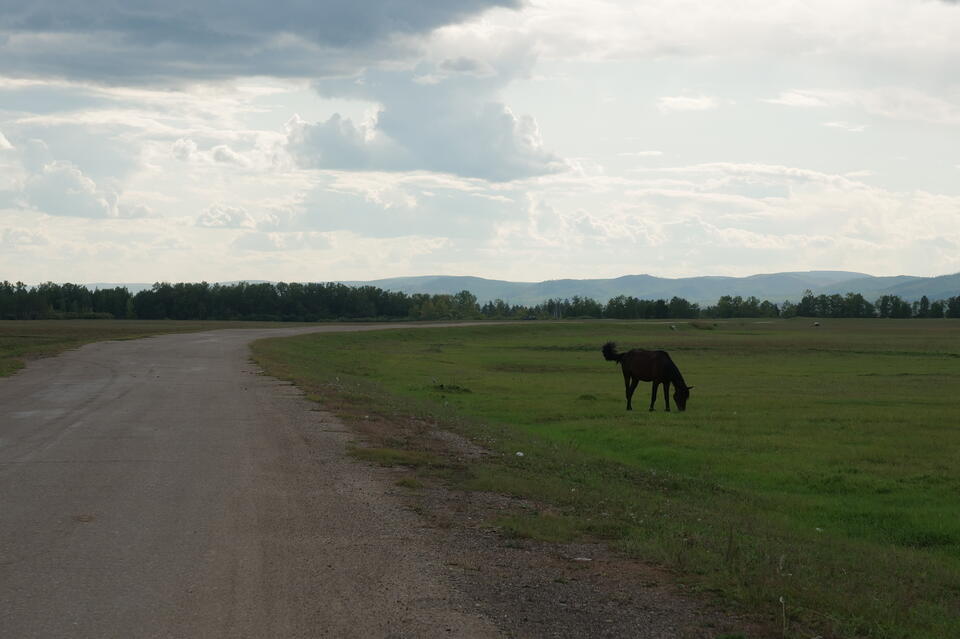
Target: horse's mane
[{"x": 677, "y": 378}]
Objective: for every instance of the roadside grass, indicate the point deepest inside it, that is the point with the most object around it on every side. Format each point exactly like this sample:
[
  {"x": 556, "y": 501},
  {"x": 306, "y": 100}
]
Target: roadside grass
[
  {"x": 398, "y": 457},
  {"x": 21, "y": 340},
  {"x": 816, "y": 465}
]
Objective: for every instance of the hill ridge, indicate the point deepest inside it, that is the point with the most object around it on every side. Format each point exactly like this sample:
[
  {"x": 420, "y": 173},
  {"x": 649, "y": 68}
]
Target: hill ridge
[{"x": 703, "y": 289}]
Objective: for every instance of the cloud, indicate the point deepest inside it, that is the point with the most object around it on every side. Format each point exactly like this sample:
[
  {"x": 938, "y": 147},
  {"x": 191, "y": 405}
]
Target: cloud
[
  {"x": 280, "y": 242},
  {"x": 4, "y": 143},
  {"x": 385, "y": 207},
  {"x": 736, "y": 218},
  {"x": 445, "y": 114},
  {"x": 219, "y": 216},
  {"x": 641, "y": 154},
  {"x": 669, "y": 104},
  {"x": 102, "y": 41},
  {"x": 463, "y": 65},
  {"x": 338, "y": 143},
  {"x": 460, "y": 66},
  {"x": 441, "y": 133},
  {"x": 133, "y": 212},
  {"x": 16, "y": 237},
  {"x": 60, "y": 188},
  {"x": 852, "y": 33},
  {"x": 897, "y": 103},
  {"x": 184, "y": 149},
  {"x": 798, "y": 99},
  {"x": 224, "y": 154},
  {"x": 846, "y": 126},
  {"x": 435, "y": 90}
]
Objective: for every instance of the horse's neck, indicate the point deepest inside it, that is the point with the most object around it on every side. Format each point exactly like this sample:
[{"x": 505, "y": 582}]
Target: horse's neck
[{"x": 675, "y": 377}]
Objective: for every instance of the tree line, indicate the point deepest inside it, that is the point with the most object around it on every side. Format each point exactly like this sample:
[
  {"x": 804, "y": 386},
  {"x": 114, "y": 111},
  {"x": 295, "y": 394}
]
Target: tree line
[{"x": 294, "y": 302}]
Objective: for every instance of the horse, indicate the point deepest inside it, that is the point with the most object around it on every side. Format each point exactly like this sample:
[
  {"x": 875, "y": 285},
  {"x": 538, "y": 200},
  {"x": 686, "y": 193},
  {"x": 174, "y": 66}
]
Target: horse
[{"x": 649, "y": 366}]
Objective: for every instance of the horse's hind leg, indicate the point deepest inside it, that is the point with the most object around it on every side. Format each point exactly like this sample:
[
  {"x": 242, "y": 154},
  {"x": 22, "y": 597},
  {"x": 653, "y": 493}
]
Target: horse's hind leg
[{"x": 653, "y": 393}]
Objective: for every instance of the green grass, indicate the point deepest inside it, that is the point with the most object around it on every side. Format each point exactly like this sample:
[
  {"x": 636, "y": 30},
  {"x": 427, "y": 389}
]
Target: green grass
[
  {"x": 23, "y": 340},
  {"x": 814, "y": 464}
]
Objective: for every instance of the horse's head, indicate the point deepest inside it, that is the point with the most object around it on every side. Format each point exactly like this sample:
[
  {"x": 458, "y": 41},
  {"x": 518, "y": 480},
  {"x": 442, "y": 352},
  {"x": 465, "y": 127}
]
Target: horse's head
[{"x": 680, "y": 396}]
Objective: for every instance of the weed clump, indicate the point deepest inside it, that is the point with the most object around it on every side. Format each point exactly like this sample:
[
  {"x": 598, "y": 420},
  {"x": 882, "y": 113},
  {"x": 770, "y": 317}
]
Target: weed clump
[{"x": 451, "y": 388}]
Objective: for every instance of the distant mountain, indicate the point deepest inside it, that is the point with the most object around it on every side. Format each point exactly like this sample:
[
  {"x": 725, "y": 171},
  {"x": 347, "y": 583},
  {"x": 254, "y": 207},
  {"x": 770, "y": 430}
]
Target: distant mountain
[
  {"x": 775, "y": 287},
  {"x": 906, "y": 286},
  {"x": 133, "y": 288},
  {"x": 140, "y": 286}
]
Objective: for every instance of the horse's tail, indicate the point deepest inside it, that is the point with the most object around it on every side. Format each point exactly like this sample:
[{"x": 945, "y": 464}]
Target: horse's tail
[{"x": 610, "y": 352}]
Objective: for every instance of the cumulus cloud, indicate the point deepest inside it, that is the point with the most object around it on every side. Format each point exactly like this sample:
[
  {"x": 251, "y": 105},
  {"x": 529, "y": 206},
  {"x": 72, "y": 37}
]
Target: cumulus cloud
[
  {"x": 224, "y": 154},
  {"x": 339, "y": 143},
  {"x": 60, "y": 188},
  {"x": 487, "y": 141},
  {"x": 187, "y": 150},
  {"x": 445, "y": 114},
  {"x": 4, "y": 143},
  {"x": 184, "y": 149},
  {"x": 219, "y": 216}
]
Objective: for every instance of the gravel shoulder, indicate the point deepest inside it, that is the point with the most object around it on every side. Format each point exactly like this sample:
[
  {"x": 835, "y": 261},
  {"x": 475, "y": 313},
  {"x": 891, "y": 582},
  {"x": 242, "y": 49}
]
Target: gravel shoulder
[{"x": 535, "y": 589}]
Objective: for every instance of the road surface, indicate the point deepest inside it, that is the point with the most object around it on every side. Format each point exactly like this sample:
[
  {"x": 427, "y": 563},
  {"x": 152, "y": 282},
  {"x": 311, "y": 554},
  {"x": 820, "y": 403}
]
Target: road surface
[{"x": 162, "y": 488}]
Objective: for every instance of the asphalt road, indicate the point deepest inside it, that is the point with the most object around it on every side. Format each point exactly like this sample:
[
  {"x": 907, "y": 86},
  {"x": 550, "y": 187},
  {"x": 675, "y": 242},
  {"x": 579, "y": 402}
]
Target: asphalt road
[{"x": 162, "y": 488}]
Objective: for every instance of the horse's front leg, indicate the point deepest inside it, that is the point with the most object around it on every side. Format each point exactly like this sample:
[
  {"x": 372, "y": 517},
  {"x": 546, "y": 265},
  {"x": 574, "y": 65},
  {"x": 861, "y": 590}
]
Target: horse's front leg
[
  {"x": 631, "y": 386},
  {"x": 666, "y": 395},
  {"x": 653, "y": 393}
]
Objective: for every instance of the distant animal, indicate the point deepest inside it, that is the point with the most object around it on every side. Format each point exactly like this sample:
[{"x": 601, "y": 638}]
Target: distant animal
[{"x": 640, "y": 365}]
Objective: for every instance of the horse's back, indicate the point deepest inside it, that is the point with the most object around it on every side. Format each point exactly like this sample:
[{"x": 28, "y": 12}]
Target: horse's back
[{"x": 647, "y": 365}]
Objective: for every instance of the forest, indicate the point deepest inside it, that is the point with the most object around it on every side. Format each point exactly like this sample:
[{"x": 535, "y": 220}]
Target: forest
[{"x": 312, "y": 302}]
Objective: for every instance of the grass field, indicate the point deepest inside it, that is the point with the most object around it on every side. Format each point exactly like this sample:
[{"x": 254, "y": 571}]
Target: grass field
[
  {"x": 816, "y": 465},
  {"x": 22, "y": 340}
]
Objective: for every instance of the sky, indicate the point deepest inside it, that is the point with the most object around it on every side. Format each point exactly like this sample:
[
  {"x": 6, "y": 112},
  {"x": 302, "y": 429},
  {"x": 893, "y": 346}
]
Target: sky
[{"x": 508, "y": 139}]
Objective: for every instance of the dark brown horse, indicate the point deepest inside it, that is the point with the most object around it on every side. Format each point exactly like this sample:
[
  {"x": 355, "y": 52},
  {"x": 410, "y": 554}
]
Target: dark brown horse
[{"x": 649, "y": 366}]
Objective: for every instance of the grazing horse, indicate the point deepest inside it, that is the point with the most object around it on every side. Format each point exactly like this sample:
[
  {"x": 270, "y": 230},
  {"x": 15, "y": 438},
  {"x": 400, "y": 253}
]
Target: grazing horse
[{"x": 649, "y": 366}]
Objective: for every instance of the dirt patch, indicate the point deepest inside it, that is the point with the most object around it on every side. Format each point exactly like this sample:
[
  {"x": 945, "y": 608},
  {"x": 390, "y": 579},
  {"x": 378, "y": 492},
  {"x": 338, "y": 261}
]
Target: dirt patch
[{"x": 537, "y": 589}]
